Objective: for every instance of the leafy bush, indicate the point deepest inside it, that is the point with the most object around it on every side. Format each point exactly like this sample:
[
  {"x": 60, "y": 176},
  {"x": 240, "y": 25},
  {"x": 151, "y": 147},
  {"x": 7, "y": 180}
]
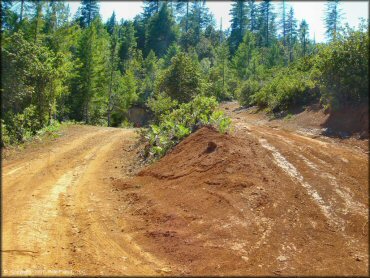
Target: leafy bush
[
  {"x": 20, "y": 127},
  {"x": 342, "y": 69},
  {"x": 246, "y": 90},
  {"x": 161, "y": 104},
  {"x": 180, "y": 122},
  {"x": 182, "y": 80},
  {"x": 287, "y": 89}
]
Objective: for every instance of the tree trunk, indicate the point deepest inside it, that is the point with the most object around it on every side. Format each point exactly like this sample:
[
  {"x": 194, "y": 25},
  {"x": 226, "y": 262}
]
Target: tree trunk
[{"x": 187, "y": 15}]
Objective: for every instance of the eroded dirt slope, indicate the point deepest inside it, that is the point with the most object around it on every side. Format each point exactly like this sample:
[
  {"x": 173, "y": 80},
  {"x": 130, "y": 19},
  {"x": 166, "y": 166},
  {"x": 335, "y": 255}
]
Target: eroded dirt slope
[{"x": 262, "y": 201}]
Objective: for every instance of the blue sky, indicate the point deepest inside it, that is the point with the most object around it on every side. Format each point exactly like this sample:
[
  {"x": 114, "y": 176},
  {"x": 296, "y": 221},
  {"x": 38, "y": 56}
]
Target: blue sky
[{"x": 312, "y": 11}]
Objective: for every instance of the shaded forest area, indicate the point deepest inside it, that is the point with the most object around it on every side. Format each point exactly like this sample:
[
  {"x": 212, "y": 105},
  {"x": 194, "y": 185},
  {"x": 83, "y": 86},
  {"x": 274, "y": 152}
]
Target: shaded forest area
[{"x": 172, "y": 60}]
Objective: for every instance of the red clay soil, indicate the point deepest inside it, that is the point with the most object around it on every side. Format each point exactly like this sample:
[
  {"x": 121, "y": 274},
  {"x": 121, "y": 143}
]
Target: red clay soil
[{"x": 261, "y": 201}]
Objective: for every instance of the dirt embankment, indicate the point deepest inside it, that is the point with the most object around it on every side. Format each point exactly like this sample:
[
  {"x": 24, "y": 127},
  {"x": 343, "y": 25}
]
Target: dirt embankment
[{"x": 259, "y": 202}]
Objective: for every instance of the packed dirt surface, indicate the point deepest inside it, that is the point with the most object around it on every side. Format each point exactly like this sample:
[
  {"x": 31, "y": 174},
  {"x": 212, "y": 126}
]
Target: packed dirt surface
[
  {"x": 270, "y": 198},
  {"x": 60, "y": 215}
]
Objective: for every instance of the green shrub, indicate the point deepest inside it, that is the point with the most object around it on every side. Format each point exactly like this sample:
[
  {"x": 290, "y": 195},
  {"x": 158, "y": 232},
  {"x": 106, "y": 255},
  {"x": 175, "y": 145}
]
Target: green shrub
[
  {"x": 160, "y": 105},
  {"x": 246, "y": 90},
  {"x": 342, "y": 69},
  {"x": 290, "y": 87},
  {"x": 182, "y": 80},
  {"x": 180, "y": 122}
]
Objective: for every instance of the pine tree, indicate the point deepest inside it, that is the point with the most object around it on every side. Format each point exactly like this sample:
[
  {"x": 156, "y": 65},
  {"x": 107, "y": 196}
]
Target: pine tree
[
  {"x": 151, "y": 7},
  {"x": 111, "y": 23},
  {"x": 239, "y": 22},
  {"x": 333, "y": 19},
  {"x": 303, "y": 36},
  {"x": 128, "y": 44},
  {"x": 38, "y": 20},
  {"x": 283, "y": 23},
  {"x": 291, "y": 29},
  {"x": 242, "y": 60},
  {"x": 199, "y": 18},
  {"x": 161, "y": 32},
  {"x": 253, "y": 16},
  {"x": 89, "y": 11},
  {"x": 113, "y": 69},
  {"x": 219, "y": 74},
  {"x": 93, "y": 78},
  {"x": 267, "y": 26}
]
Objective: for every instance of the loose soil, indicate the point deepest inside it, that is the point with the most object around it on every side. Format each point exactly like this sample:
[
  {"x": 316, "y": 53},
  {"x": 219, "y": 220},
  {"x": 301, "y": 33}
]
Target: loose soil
[{"x": 270, "y": 198}]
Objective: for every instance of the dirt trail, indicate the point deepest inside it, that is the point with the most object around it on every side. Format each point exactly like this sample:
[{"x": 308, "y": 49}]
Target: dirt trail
[
  {"x": 264, "y": 200},
  {"x": 59, "y": 215}
]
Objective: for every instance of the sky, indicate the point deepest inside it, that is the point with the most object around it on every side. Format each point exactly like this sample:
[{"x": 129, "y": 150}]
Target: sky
[{"x": 312, "y": 11}]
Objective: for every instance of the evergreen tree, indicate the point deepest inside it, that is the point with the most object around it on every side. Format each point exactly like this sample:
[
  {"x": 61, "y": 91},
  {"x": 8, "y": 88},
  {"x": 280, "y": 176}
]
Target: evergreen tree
[
  {"x": 111, "y": 23},
  {"x": 303, "y": 36},
  {"x": 128, "y": 44},
  {"x": 267, "y": 28},
  {"x": 151, "y": 7},
  {"x": 8, "y": 17},
  {"x": 38, "y": 18},
  {"x": 239, "y": 22},
  {"x": 199, "y": 18},
  {"x": 283, "y": 23},
  {"x": 89, "y": 11},
  {"x": 291, "y": 32},
  {"x": 113, "y": 70},
  {"x": 161, "y": 32},
  {"x": 219, "y": 74},
  {"x": 253, "y": 16},
  {"x": 333, "y": 17},
  {"x": 182, "y": 80},
  {"x": 93, "y": 78},
  {"x": 242, "y": 60},
  {"x": 183, "y": 7}
]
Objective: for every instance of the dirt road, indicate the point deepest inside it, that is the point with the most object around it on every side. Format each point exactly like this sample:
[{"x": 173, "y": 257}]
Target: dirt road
[
  {"x": 265, "y": 201},
  {"x": 59, "y": 212}
]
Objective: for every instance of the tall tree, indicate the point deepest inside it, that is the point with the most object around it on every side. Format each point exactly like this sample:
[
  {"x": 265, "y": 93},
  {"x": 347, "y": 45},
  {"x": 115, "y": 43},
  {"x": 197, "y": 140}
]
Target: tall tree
[
  {"x": 333, "y": 17},
  {"x": 114, "y": 74},
  {"x": 291, "y": 32},
  {"x": 128, "y": 44},
  {"x": 267, "y": 26},
  {"x": 92, "y": 78},
  {"x": 303, "y": 36},
  {"x": 89, "y": 11},
  {"x": 199, "y": 18},
  {"x": 283, "y": 22},
  {"x": 38, "y": 19},
  {"x": 253, "y": 15},
  {"x": 151, "y": 7},
  {"x": 239, "y": 22},
  {"x": 111, "y": 23},
  {"x": 246, "y": 53},
  {"x": 161, "y": 32}
]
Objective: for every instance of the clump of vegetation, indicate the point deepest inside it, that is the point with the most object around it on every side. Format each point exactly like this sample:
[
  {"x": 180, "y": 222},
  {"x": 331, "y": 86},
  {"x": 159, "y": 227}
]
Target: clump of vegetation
[
  {"x": 180, "y": 122},
  {"x": 343, "y": 69}
]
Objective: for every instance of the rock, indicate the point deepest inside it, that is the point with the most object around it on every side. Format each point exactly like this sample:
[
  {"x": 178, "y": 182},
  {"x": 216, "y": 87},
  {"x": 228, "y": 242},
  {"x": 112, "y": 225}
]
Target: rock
[{"x": 282, "y": 258}]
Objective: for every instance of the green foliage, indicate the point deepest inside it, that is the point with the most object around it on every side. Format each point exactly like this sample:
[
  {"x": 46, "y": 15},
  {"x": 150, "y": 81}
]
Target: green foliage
[
  {"x": 181, "y": 81},
  {"x": 247, "y": 89},
  {"x": 161, "y": 105},
  {"x": 343, "y": 70},
  {"x": 287, "y": 89},
  {"x": 180, "y": 122},
  {"x": 22, "y": 126}
]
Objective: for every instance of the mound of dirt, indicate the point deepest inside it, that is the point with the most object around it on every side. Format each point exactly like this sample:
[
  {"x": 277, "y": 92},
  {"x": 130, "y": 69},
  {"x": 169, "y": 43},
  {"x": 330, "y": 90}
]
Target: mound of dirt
[
  {"x": 218, "y": 205},
  {"x": 348, "y": 121}
]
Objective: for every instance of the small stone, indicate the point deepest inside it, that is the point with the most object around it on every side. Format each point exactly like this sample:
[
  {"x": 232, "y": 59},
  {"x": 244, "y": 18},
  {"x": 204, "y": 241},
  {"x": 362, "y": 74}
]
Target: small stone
[{"x": 282, "y": 258}]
